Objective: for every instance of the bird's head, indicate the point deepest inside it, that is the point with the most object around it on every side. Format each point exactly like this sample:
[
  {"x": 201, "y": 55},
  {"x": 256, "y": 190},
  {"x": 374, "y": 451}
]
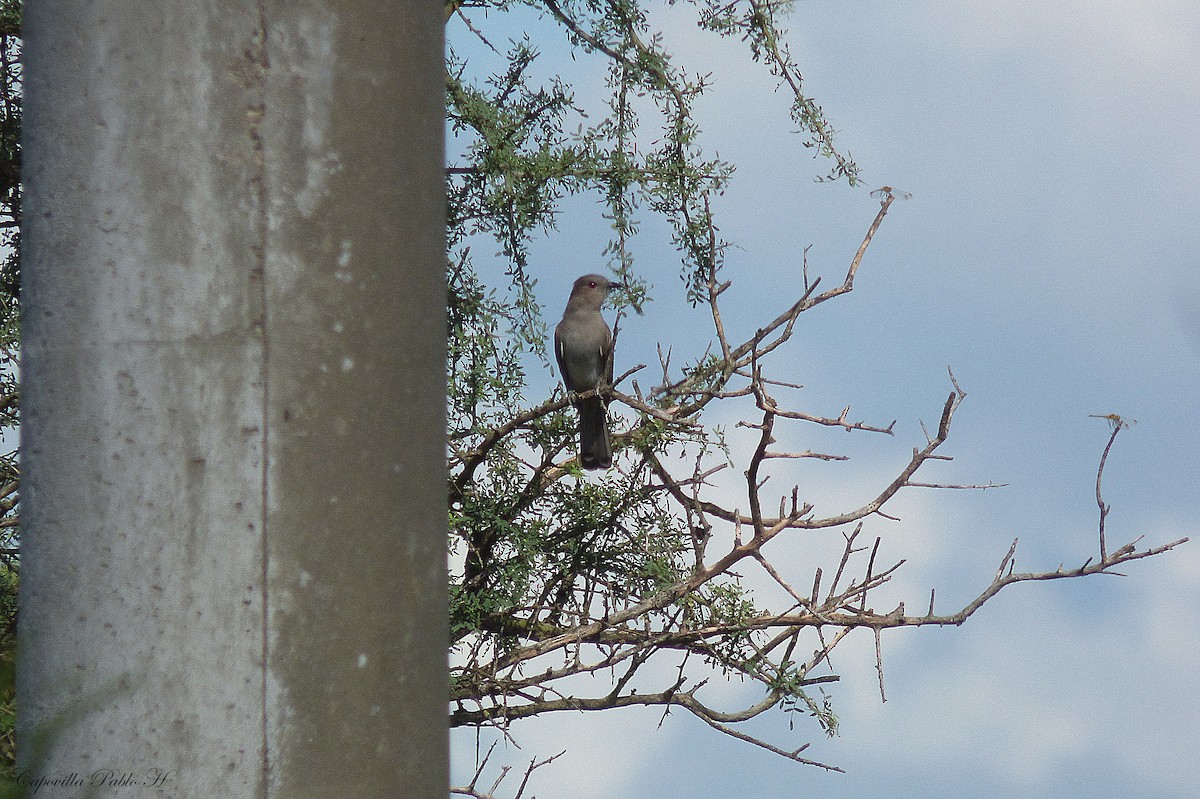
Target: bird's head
[{"x": 592, "y": 289}]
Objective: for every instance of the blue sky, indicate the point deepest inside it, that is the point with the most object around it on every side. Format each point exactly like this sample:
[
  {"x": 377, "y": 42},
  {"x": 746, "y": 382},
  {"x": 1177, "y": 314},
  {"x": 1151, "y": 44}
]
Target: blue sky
[{"x": 1050, "y": 255}]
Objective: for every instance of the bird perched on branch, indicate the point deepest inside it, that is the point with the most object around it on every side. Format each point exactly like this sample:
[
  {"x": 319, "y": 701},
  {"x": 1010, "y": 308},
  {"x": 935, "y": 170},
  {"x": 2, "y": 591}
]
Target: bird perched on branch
[{"x": 583, "y": 347}]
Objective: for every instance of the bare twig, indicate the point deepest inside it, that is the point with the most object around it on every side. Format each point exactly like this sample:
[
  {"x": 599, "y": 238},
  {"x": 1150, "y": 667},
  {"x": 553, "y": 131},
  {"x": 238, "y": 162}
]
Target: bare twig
[
  {"x": 1118, "y": 424},
  {"x": 879, "y": 666}
]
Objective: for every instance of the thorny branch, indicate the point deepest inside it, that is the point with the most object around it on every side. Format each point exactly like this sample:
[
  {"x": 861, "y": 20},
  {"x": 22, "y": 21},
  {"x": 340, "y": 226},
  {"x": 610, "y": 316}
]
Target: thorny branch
[
  {"x": 524, "y": 658},
  {"x": 563, "y": 584},
  {"x": 472, "y": 789}
]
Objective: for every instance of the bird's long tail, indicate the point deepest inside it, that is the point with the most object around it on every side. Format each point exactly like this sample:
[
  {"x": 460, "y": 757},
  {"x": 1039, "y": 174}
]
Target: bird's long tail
[{"x": 594, "y": 450}]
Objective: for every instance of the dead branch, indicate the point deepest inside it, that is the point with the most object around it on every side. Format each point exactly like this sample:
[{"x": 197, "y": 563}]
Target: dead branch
[
  {"x": 577, "y": 620},
  {"x": 1118, "y": 424}
]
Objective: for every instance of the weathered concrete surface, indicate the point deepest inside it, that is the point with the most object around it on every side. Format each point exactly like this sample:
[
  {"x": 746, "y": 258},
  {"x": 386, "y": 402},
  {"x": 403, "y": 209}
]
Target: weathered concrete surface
[{"x": 232, "y": 499}]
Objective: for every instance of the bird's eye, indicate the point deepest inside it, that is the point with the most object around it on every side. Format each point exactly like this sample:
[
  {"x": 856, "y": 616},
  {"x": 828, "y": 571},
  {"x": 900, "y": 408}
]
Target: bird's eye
[{"x": 591, "y": 284}]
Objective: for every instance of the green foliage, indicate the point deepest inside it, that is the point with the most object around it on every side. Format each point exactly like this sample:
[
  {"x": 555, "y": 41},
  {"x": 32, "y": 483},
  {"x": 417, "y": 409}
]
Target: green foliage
[{"x": 542, "y": 552}]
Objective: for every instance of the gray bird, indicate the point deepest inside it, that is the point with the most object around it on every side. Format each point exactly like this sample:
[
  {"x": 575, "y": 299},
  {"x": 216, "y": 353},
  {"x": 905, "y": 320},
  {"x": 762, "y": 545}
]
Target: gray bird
[{"x": 583, "y": 346}]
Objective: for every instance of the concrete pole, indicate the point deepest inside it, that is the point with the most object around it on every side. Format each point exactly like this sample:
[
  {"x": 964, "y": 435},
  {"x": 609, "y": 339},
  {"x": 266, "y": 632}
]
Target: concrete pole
[{"x": 233, "y": 498}]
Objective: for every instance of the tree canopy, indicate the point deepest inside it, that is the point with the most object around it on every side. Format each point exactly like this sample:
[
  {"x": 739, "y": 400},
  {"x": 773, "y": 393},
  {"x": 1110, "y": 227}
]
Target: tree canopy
[{"x": 642, "y": 574}]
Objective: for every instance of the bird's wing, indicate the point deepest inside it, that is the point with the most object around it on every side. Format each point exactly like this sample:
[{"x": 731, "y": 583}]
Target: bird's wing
[
  {"x": 561, "y": 358},
  {"x": 606, "y": 352}
]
